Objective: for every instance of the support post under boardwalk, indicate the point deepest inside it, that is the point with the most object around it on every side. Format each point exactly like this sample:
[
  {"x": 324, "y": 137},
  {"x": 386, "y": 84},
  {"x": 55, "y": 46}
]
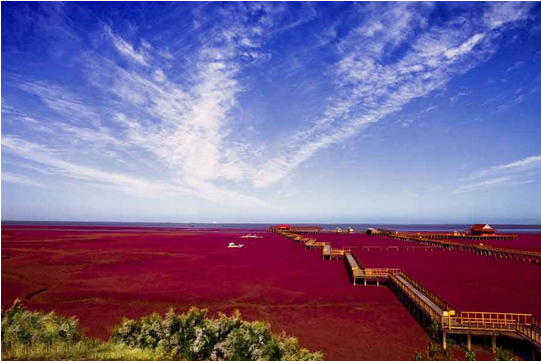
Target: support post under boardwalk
[
  {"x": 493, "y": 343},
  {"x": 365, "y": 281},
  {"x": 444, "y": 340},
  {"x": 469, "y": 342},
  {"x": 377, "y": 282}
]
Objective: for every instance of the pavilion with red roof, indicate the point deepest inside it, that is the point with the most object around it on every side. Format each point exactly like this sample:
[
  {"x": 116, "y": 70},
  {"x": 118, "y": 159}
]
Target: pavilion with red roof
[{"x": 482, "y": 230}]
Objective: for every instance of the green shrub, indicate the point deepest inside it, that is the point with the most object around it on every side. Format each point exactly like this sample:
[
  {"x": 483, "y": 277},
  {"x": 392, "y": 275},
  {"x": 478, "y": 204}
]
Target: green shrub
[
  {"x": 503, "y": 355},
  {"x": 188, "y": 336},
  {"x": 23, "y": 328},
  {"x": 470, "y": 356},
  {"x": 193, "y": 336}
]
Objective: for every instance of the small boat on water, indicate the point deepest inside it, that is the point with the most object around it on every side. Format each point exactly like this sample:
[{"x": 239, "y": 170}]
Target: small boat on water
[
  {"x": 251, "y": 236},
  {"x": 233, "y": 245}
]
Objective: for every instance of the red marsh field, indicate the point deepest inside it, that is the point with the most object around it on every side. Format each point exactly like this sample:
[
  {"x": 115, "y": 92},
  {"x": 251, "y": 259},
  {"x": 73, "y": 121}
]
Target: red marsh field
[{"x": 101, "y": 275}]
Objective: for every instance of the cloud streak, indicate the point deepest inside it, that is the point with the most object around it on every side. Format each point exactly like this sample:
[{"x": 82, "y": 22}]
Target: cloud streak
[
  {"x": 478, "y": 186},
  {"x": 127, "y": 49},
  {"x": 52, "y": 159},
  {"x": 62, "y": 101},
  {"x": 370, "y": 87},
  {"x": 21, "y": 179},
  {"x": 514, "y": 173},
  {"x": 532, "y": 163}
]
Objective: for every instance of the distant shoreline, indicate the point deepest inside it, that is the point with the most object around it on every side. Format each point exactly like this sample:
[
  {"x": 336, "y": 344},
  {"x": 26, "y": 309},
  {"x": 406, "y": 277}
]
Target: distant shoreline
[{"x": 521, "y": 228}]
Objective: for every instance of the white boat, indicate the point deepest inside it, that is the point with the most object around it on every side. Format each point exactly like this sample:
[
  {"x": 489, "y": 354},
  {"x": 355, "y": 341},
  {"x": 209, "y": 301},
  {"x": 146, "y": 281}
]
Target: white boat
[
  {"x": 251, "y": 236},
  {"x": 233, "y": 245}
]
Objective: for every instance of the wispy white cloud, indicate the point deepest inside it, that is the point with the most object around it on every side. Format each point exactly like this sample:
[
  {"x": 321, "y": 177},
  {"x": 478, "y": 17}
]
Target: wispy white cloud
[
  {"x": 428, "y": 109},
  {"x": 501, "y": 13},
  {"x": 510, "y": 103},
  {"x": 96, "y": 137},
  {"x": 62, "y": 101},
  {"x": 520, "y": 172},
  {"x": 187, "y": 126},
  {"x": 7, "y": 108},
  {"x": 455, "y": 98},
  {"x": 478, "y": 186},
  {"x": 127, "y": 49},
  {"x": 517, "y": 65},
  {"x": 52, "y": 158},
  {"x": 370, "y": 87},
  {"x": 165, "y": 53},
  {"x": 523, "y": 165},
  {"x": 465, "y": 47},
  {"x": 21, "y": 179}
]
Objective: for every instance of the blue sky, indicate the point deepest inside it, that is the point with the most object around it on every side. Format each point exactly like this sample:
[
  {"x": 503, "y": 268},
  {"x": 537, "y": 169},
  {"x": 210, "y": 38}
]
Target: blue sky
[{"x": 271, "y": 112}]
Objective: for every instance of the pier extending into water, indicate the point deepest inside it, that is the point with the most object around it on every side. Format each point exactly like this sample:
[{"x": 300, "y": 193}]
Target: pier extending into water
[{"x": 426, "y": 306}]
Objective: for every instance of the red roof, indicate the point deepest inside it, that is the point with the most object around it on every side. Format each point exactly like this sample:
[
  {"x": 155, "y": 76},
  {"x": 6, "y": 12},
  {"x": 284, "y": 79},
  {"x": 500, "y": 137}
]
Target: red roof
[
  {"x": 481, "y": 228},
  {"x": 283, "y": 226}
]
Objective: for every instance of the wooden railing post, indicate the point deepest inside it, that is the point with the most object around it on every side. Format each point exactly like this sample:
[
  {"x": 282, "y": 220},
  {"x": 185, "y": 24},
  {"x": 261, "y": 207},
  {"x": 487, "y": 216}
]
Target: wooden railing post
[{"x": 444, "y": 340}]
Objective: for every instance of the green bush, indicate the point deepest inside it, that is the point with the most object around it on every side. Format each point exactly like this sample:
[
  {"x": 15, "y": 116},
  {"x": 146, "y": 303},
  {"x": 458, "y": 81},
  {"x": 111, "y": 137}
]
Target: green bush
[
  {"x": 22, "y": 328},
  {"x": 470, "y": 356},
  {"x": 503, "y": 355},
  {"x": 188, "y": 336},
  {"x": 193, "y": 336}
]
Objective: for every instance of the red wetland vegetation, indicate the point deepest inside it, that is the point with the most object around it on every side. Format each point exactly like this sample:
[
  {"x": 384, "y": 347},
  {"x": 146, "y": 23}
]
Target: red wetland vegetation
[{"x": 102, "y": 274}]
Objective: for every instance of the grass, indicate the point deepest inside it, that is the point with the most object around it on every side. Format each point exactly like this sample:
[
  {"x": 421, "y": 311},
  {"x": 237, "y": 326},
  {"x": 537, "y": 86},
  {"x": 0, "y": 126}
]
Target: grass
[{"x": 81, "y": 350}]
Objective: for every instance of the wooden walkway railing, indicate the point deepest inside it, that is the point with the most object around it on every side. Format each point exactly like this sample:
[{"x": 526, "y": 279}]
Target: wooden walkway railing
[
  {"x": 494, "y": 321},
  {"x": 486, "y": 250},
  {"x": 531, "y": 332},
  {"x": 424, "y": 303},
  {"x": 449, "y": 318},
  {"x": 465, "y": 236},
  {"x": 444, "y": 305}
]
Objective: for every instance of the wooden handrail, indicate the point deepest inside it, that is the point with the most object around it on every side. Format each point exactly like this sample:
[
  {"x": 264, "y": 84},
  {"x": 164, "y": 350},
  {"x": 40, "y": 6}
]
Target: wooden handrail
[
  {"x": 380, "y": 271},
  {"x": 431, "y": 312},
  {"x": 532, "y": 334},
  {"x": 536, "y": 322},
  {"x": 420, "y": 238},
  {"x": 361, "y": 266},
  {"x": 431, "y": 295},
  {"x": 498, "y": 317}
]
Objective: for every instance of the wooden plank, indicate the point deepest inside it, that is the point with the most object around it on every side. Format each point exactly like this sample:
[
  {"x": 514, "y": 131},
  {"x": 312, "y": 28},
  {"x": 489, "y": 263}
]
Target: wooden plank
[{"x": 420, "y": 295}]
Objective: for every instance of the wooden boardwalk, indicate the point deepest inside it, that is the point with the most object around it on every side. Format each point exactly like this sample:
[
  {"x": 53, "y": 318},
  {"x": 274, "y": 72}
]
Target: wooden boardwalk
[
  {"x": 426, "y": 305},
  {"x": 481, "y": 249}
]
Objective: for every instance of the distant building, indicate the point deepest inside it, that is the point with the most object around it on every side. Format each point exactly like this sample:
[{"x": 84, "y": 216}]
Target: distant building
[
  {"x": 380, "y": 232},
  {"x": 281, "y": 227},
  {"x": 482, "y": 230},
  {"x": 350, "y": 230},
  {"x": 295, "y": 229},
  {"x": 309, "y": 229},
  {"x": 372, "y": 231}
]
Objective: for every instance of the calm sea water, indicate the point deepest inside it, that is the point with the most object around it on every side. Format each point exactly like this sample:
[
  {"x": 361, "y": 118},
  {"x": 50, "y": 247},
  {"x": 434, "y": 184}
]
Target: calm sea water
[{"x": 522, "y": 228}]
